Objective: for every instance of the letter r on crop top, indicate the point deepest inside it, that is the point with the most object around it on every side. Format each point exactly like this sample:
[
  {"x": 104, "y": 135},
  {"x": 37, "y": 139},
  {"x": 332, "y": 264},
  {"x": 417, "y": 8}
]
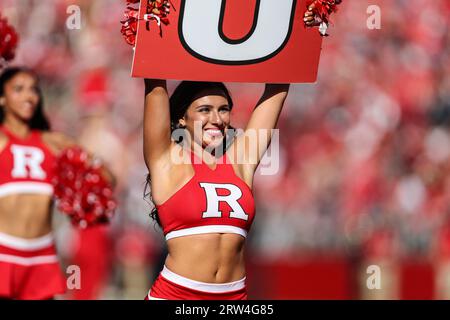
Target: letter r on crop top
[
  {"x": 27, "y": 165},
  {"x": 212, "y": 201}
]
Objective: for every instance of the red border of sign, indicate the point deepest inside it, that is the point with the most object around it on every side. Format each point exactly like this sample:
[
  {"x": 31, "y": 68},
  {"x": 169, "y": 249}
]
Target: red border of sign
[{"x": 165, "y": 57}]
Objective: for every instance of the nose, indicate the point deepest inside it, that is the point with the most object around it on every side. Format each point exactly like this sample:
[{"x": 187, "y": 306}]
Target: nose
[
  {"x": 216, "y": 118},
  {"x": 31, "y": 95}
]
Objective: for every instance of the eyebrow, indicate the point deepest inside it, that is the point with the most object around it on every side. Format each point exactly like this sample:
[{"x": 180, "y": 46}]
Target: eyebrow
[
  {"x": 210, "y": 106},
  {"x": 204, "y": 106}
]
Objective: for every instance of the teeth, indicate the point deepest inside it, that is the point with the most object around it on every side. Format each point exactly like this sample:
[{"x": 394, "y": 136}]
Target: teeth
[{"x": 213, "y": 132}]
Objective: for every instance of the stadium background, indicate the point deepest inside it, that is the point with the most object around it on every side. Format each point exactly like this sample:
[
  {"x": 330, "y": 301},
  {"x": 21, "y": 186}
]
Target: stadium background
[{"x": 365, "y": 171}]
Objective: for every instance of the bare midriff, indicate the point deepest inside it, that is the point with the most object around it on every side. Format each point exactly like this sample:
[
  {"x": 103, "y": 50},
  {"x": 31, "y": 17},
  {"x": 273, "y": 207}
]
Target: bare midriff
[
  {"x": 211, "y": 258},
  {"x": 26, "y": 215}
]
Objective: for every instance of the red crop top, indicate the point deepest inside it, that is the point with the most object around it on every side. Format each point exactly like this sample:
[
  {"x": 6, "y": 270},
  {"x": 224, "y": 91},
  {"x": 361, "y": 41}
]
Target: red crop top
[
  {"x": 26, "y": 165},
  {"x": 212, "y": 201}
]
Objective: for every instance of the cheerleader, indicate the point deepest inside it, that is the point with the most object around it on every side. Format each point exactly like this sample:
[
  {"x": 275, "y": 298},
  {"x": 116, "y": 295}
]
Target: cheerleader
[
  {"x": 29, "y": 267},
  {"x": 204, "y": 200},
  {"x": 201, "y": 180}
]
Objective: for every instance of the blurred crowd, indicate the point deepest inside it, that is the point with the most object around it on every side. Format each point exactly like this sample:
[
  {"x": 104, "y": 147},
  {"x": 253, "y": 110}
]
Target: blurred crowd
[
  {"x": 367, "y": 148},
  {"x": 364, "y": 151}
]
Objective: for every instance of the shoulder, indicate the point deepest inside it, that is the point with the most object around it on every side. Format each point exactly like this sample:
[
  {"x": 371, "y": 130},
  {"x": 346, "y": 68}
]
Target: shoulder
[
  {"x": 173, "y": 166},
  {"x": 171, "y": 157},
  {"x": 57, "y": 141},
  {"x": 3, "y": 141},
  {"x": 169, "y": 172}
]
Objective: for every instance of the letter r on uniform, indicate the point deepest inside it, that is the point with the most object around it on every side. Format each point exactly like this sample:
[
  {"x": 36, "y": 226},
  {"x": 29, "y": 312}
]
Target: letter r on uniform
[
  {"x": 213, "y": 200},
  {"x": 27, "y": 162}
]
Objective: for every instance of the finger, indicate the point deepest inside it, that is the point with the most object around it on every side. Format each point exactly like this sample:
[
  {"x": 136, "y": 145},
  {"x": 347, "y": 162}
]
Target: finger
[
  {"x": 311, "y": 23},
  {"x": 312, "y": 7}
]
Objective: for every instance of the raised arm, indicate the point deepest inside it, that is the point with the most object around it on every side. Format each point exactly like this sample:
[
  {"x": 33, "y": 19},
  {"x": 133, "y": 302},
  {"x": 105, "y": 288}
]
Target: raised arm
[
  {"x": 259, "y": 128},
  {"x": 156, "y": 121}
]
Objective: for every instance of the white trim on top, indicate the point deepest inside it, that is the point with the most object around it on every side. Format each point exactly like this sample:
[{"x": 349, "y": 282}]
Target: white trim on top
[
  {"x": 206, "y": 229},
  {"x": 30, "y": 261},
  {"x": 26, "y": 244},
  {"x": 203, "y": 286},
  {"x": 26, "y": 187}
]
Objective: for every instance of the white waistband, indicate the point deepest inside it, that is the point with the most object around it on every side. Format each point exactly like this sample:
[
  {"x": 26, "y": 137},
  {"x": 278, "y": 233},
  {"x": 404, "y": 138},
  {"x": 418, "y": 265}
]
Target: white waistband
[
  {"x": 203, "y": 286},
  {"x": 206, "y": 229},
  {"x": 26, "y": 187},
  {"x": 26, "y": 244}
]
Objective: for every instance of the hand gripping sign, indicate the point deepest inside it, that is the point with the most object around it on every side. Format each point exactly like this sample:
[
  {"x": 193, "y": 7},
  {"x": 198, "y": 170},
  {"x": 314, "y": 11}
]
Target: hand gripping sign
[{"x": 223, "y": 40}]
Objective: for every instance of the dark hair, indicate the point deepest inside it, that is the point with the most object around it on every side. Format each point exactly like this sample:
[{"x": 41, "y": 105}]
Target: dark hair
[
  {"x": 183, "y": 96},
  {"x": 189, "y": 91},
  {"x": 39, "y": 120}
]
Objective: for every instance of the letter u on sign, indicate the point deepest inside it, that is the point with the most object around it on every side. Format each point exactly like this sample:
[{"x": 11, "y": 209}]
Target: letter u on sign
[
  {"x": 229, "y": 41},
  {"x": 201, "y": 31}
]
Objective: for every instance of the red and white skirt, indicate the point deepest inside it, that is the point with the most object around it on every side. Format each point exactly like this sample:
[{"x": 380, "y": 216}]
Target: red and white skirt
[
  {"x": 29, "y": 268},
  {"x": 171, "y": 286}
]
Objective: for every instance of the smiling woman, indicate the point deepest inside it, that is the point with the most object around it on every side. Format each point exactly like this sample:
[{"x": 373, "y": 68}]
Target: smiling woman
[
  {"x": 17, "y": 82},
  {"x": 29, "y": 266},
  {"x": 205, "y": 203},
  {"x": 207, "y": 119},
  {"x": 27, "y": 252}
]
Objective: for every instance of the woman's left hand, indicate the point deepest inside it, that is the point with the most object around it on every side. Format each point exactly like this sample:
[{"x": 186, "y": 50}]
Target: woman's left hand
[{"x": 310, "y": 18}]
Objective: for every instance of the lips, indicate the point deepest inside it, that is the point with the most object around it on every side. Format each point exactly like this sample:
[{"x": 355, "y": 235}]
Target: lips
[
  {"x": 27, "y": 107},
  {"x": 214, "y": 132}
]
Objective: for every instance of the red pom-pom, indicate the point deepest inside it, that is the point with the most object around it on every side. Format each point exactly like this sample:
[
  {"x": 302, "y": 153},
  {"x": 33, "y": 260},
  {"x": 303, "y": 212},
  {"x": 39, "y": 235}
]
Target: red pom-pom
[
  {"x": 82, "y": 192},
  {"x": 129, "y": 25},
  {"x": 323, "y": 8},
  {"x": 322, "y": 11},
  {"x": 157, "y": 10},
  {"x": 8, "y": 41}
]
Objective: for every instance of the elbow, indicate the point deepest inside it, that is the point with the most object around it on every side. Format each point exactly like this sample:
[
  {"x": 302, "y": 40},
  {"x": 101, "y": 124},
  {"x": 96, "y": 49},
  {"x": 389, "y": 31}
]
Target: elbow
[
  {"x": 155, "y": 86},
  {"x": 277, "y": 87},
  {"x": 279, "y": 90}
]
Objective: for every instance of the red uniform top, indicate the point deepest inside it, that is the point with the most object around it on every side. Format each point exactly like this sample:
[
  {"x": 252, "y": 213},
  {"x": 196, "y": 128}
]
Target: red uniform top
[
  {"x": 213, "y": 201},
  {"x": 27, "y": 165}
]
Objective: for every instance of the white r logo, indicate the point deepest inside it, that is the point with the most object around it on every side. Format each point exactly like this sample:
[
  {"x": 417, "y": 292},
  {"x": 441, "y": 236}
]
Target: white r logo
[
  {"x": 201, "y": 31},
  {"x": 27, "y": 157},
  {"x": 213, "y": 199}
]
